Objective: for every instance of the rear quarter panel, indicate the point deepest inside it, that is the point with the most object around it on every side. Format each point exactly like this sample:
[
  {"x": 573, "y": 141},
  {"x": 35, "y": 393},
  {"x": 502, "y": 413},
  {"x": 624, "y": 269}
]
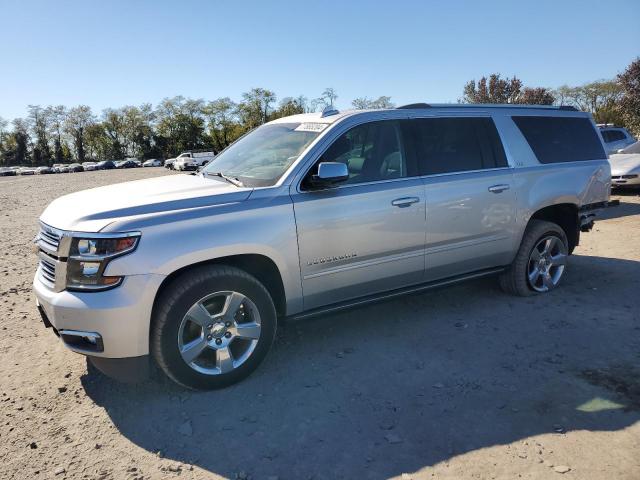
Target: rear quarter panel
[{"x": 542, "y": 185}]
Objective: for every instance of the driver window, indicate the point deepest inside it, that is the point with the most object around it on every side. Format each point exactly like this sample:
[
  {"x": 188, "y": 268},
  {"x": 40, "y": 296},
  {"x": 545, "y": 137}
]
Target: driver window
[{"x": 372, "y": 152}]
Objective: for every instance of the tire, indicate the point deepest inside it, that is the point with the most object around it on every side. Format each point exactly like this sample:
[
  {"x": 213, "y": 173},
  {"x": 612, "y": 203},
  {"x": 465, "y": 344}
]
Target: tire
[
  {"x": 520, "y": 277},
  {"x": 229, "y": 343}
]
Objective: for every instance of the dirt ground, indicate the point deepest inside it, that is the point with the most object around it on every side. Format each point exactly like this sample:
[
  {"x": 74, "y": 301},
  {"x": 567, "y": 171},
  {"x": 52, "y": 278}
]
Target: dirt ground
[{"x": 464, "y": 382}]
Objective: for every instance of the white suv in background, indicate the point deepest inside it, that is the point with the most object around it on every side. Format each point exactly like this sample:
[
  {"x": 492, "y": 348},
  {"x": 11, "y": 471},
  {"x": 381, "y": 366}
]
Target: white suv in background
[
  {"x": 192, "y": 160},
  {"x": 615, "y": 138}
]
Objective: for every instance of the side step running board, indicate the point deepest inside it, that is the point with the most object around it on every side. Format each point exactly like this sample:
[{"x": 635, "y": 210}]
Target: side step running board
[{"x": 358, "y": 302}]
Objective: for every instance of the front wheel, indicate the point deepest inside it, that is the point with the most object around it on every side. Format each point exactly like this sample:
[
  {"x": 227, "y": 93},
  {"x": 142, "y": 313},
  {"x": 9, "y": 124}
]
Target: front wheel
[
  {"x": 212, "y": 327},
  {"x": 540, "y": 262}
]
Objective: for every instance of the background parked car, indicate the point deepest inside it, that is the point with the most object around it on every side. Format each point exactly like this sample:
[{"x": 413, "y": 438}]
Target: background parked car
[
  {"x": 7, "y": 172},
  {"x": 106, "y": 165},
  {"x": 88, "y": 166},
  {"x": 127, "y": 164},
  {"x": 76, "y": 167},
  {"x": 615, "y": 138},
  {"x": 625, "y": 167},
  {"x": 153, "y": 162},
  {"x": 169, "y": 163},
  {"x": 193, "y": 159},
  {"x": 26, "y": 171},
  {"x": 44, "y": 170}
]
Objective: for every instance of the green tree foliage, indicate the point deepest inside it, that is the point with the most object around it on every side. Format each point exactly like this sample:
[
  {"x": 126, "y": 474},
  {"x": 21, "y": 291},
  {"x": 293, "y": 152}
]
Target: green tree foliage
[
  {"x": 496, "y": 89},
  {"x": 255, "y": 108},
  {"x": 76, "y": 123},
  {"x": 38, "y": 121},
  {"x": 600, "y": 98},
  {"x": 57, "y": 134},
  {"x": 629, "y": 104},
  {"x": 364, "y": 103}
]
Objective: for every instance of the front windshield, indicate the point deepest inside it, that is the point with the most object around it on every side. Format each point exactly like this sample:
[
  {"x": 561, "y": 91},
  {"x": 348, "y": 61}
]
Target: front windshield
[{"x": 261, "y": 157}]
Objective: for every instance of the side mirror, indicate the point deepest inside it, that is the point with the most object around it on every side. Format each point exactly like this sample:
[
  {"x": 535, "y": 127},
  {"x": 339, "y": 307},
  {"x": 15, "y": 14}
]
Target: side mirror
[{"x": 330, "y": 174}]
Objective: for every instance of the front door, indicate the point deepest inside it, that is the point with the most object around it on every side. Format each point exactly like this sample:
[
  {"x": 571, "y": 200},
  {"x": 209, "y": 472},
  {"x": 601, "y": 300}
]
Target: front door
[{"x": 366, "y": 235}]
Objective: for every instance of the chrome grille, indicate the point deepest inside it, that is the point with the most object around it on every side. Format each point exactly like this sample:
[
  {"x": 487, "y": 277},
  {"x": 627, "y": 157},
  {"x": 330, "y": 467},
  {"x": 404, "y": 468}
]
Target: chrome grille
[
  {"x": 48, "y": 269},
  {"x": 49, "y": 238}
]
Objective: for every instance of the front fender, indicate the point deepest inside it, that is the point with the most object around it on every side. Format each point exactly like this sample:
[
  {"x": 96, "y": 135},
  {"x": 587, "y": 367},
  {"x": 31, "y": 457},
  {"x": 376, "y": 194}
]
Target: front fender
[{"x": 257, "y": 226}]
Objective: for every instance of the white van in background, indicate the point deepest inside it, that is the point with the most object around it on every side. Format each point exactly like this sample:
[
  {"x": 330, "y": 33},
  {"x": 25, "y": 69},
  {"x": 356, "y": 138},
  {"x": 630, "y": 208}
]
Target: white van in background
[{"x": 193, "y": 159}]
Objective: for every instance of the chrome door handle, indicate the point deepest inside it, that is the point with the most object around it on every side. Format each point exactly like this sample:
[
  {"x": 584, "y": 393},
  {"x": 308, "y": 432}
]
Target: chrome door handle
[
  {"x": 405, "y": 201},
  {"x": 499, "y": 188}
]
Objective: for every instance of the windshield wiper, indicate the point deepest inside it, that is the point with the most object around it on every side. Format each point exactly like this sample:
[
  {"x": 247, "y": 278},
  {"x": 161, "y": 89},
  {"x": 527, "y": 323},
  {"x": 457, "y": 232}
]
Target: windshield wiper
[{"x": 232, "y": 180}]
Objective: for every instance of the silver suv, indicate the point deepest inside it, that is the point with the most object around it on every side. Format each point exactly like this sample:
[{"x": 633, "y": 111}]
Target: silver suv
[
  {"x": 310, "y": 214},
  {"x": 615, "y": 138}
]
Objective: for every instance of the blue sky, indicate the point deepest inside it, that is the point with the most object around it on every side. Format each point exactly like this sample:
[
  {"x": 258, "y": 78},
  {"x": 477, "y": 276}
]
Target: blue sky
[{"x": 114, "y": 53}]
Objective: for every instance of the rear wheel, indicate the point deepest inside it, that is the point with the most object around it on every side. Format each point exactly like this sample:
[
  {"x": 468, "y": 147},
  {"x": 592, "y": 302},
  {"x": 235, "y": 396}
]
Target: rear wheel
[
  {"x": 213, "y": 327},
  {"x": 540, "y": 262}
]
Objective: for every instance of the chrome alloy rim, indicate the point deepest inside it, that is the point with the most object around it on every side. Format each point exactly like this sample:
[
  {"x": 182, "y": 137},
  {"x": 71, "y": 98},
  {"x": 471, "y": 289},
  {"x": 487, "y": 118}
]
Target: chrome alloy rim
[
  {"x": 546, "y": 264},
  {"x": 219, "y": 332}
]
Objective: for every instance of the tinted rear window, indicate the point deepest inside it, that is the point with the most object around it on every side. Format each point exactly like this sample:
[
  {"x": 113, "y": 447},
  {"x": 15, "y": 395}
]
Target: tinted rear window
[
  {"x": 561, "y": 139},
  {"x": 612, "y": 135},
  {"x": 446, "y": 145}
]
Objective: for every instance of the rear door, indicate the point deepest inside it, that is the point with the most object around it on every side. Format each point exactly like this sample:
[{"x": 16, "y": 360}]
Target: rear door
[
  {"x": 366, "y": 235},
  {"x": 470, "y": 193}
]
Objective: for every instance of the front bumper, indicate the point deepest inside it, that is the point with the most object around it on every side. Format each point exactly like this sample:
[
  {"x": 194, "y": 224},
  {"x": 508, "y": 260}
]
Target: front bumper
[
  {"x": 627, "y": 180},
  {"x": 118, "y": 319}
]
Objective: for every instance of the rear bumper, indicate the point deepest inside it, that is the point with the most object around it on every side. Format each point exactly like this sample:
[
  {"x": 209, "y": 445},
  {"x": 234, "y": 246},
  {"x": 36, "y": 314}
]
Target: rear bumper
[{"x": 109, "y": 324}]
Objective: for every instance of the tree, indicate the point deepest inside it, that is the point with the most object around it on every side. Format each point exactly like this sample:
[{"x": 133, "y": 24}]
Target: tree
[
  {"x": 38, "y": 121},
  {"x": 255, "y": 107},
  {"x": 492, "y": 90},
  {"x": 629, "y": 103},
  {"x": 364, "y": 103},
  {"x": 223, "y": 127},
  {"x": 57, "y": 117},
  {"x": 18, "y": 143},
  {"x": 76, "y": 123},
  {"x": 290, "y": 106},
  {"x": 536, "y": 96},
  {"x": 327, "y": 99},
  {"x": 600, "y": 98},
  {"x": 180, "y": 125},
  {"x": 3, "y": 133}
]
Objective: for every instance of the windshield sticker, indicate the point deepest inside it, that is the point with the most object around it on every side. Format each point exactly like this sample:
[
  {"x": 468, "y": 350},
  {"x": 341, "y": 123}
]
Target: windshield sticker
[{"x": 311, "y": 127}]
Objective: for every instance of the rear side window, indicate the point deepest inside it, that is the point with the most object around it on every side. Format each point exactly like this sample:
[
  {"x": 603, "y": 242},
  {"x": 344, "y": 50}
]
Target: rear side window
[
  {"x": 561, "y": 139},
  {"x": 447, "y": 145}
]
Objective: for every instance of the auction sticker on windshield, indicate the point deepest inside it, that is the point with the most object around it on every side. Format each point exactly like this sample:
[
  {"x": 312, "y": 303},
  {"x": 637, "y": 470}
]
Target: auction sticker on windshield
[{"x": 311, "y": 127}]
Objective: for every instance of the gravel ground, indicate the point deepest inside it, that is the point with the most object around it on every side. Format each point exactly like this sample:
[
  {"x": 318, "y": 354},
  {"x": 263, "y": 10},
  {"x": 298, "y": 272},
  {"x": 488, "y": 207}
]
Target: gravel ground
[{"x": 464, "y": 382}]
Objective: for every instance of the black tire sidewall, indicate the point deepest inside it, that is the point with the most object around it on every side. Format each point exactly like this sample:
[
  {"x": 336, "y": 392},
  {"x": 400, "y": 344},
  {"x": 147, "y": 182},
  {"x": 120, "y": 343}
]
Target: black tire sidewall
[
  {"x": 168, "y": 324},
  {"x": 540, "y": 230}
]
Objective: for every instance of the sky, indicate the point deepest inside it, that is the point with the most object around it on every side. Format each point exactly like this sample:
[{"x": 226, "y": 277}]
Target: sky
[{"x": 115, "y": 53}]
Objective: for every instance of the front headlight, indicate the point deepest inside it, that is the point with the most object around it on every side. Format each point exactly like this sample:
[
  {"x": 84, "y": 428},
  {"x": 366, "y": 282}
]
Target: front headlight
[{"x": 89, "y": 257}]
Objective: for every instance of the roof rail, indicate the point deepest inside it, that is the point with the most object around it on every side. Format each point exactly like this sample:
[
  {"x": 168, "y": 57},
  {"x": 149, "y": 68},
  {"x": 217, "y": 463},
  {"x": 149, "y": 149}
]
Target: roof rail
[
  {"x": 487, "y": 105},
  {"x": 414, "y": 105},
  {"x": 328, "y": 111}
]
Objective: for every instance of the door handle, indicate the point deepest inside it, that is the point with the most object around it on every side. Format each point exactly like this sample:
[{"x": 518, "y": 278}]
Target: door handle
[
  {"x": 499, "y": 188},
  {"x": 405, "y": 201}
]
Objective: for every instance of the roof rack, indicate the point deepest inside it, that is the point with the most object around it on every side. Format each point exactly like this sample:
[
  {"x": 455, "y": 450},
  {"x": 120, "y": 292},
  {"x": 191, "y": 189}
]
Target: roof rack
[{"x": 485, "y": 105}]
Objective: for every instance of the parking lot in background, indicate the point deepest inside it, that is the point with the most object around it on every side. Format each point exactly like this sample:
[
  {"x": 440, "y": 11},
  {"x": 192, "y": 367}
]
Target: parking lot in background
[{"x": 464, "y": 382}]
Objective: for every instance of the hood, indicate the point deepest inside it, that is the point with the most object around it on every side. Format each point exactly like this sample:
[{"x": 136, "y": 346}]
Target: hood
[
  {"x": 94, "y": 209},
  {"x": 623, "y": 163}
]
